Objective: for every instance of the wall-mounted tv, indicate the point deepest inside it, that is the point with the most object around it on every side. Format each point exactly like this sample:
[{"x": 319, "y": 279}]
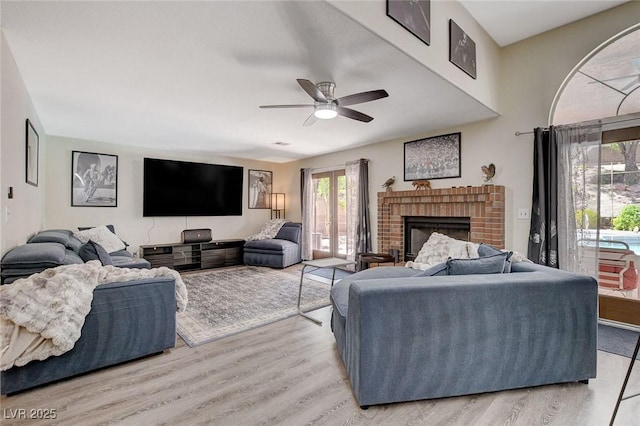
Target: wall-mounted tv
[{"x": 180, "y": 188}]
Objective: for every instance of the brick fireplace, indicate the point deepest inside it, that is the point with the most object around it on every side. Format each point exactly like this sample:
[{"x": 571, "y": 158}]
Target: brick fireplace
[{"x": 483, "y": 205}]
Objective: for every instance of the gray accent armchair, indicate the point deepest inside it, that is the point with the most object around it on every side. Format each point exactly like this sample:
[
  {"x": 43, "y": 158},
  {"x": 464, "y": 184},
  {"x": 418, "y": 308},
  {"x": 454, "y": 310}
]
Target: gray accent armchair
[{"x": 279, "y": 252}]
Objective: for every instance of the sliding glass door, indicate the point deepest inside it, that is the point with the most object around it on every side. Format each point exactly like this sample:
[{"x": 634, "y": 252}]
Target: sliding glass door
[
  {"x": 618, "y": 223},
  {"x": 329, "y": 232}
]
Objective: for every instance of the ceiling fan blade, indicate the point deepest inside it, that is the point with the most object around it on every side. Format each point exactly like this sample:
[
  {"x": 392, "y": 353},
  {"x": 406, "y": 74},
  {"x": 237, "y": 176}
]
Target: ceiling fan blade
[
  {"x": 310, "y": 121},
  {"x": 287, "y": 106},
  {"x": 358, "y": 98},
  {"x": 312, "y": 90},
  {"x": 351, "y": 113}
]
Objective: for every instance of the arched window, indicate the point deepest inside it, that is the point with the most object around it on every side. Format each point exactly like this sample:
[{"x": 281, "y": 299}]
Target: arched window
[{"x": 605, "y": 84}]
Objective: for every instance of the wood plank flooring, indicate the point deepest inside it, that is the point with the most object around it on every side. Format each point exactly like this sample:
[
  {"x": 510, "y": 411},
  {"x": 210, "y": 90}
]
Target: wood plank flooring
[{"x": 290, "y": 373}]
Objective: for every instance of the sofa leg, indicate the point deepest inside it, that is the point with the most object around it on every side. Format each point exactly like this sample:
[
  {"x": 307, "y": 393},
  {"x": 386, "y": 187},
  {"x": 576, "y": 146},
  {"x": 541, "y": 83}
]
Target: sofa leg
[
  {"x": 364, "y": 407},
  {"x": 584, "y": 382}
]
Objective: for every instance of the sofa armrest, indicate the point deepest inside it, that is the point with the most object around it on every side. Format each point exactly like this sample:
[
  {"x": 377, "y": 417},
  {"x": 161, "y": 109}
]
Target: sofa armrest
[{"x": 429, "y": 337}]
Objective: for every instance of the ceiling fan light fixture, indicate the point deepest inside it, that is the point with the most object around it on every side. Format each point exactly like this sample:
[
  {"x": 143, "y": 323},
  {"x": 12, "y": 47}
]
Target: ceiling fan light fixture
[{"x": 326, "y": 111}]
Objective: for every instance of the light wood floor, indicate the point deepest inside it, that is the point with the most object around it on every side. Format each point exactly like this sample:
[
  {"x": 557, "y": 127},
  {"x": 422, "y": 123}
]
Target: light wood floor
[{"x": 290, "y": 373}]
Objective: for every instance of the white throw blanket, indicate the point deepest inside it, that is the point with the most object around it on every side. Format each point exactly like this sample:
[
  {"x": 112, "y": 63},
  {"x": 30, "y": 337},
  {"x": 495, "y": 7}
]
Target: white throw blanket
[
  {"x": 43, "y": 315},
  {"x": 269, "y": 230}
]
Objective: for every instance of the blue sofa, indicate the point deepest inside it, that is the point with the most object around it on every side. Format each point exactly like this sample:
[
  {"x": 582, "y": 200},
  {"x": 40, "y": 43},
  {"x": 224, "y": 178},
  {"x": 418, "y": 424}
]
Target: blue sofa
[
  {"x": 405, "y": 338},
  {"x": 55, "y": 247},
  {"x": 128, "y": 320},
  {"x": 279, "y": 252}
]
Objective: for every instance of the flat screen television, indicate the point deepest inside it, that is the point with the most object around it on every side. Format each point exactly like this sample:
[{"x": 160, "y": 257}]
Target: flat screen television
[{"x": 181, "y": 188}]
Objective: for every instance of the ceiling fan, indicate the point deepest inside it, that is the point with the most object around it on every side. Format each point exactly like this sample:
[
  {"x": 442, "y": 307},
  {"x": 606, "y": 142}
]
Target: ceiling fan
[{"x": 327, "y": 106}]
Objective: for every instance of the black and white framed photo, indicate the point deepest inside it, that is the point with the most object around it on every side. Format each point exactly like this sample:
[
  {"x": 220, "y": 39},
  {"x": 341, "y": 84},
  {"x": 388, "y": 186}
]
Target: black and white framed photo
[
  {"x": 462, "y": 50},
  {"x": 94, "y": 179},
  {"x": 437, "y": 157},
  {"x": 414, "y": 15},
  {"x": 260, "y": 188},
  {"x": 32, "y": 153}
]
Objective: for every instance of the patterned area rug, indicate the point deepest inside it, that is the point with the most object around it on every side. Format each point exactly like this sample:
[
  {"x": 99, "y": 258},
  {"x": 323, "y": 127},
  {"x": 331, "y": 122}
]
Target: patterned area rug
[{"x": 228, "y": 301}]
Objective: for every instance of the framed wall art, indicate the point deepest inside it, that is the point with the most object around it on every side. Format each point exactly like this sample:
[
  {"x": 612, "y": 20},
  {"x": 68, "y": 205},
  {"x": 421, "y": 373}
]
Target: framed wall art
[
  {"x": 94, "y": 179},
  {"x": 414, "y": 15},
  {"x": 437, "y": 157},
  {"x": 462, "y": 50},
  {"x": 260, "y": 188},
  {"x": 32, "y": 154}
]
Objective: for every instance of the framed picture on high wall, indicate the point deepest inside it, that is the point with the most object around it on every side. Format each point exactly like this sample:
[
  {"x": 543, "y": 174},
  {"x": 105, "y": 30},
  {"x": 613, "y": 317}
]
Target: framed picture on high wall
[
  {"x": 260, "y": 188},
  {"x": 94, "y": 179},
  {"x": 32, "y": 153},
  {"x": 462, "y": 50},
  {"x": 413, "y": 15},
  {"x": 437, "y": 157}
]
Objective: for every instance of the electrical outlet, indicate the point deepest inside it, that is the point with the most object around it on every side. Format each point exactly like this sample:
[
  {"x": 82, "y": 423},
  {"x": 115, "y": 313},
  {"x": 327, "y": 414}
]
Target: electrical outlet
[{"x": 523, "y": 214}]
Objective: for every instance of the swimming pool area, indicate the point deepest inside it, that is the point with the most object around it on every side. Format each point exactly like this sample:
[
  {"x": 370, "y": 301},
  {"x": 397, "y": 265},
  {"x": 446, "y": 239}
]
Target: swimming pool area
[{"x": 611, "y": 239}]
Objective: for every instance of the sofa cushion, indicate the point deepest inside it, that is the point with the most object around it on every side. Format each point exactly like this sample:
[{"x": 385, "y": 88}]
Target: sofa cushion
[
  {"x": 494, "y": 264},
  {"x": 71, "y": 257},
  {"x": 290, "y": 232},
  {"x": 122, "y": 253},
  {"x": 439, "y": 248},
  {"x": 130, "y": 262},
  {"x": 340, "y": 291},
  {"x": 52, "y": 236},
  {"x": 94, "y": 251},
  {"x": 269, "y": 245},
  {"x": 435, "y": 270},
  {"x": 102, "y": 236},
  {"x": 47, "y": 255}
]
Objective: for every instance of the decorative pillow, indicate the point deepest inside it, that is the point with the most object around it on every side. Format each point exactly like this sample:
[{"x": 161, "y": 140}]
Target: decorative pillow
[
  {"x": 435, "y": 270},
  {"x": 109, "y": 227},
  {"x": 101, "y": 235},
  {"x": 487, "y": 250},
  {"x": 94, "y": 251},
  {"x": 463, "y": 250},
  {"x": 439, "y": 248},
  {"x": 41, "y": 255},
  {"x": 60, "y": 236},
  {"x": 269, "y": 230},
  {"x": 434, "y": 251},
  {"x": 493, "y": 264}
]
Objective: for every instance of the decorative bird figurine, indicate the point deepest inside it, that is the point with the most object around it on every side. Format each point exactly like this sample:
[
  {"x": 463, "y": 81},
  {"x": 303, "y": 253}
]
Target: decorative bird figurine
[
  {"x": 387, "y": 184},
  {"x": 489, "y": 172}
]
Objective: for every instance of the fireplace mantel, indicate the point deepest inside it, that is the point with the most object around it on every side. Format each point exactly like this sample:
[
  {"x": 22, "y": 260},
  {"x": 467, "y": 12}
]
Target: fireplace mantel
[{"x": 484, "y": 205}]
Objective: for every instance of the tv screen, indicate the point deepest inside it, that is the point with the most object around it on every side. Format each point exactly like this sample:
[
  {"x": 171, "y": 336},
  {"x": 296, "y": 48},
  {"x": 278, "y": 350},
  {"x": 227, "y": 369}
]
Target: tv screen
[{"x": 180, "y": 188}]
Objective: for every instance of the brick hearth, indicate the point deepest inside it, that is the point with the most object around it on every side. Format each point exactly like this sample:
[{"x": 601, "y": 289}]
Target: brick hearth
[{"x": 484, "y": 205}]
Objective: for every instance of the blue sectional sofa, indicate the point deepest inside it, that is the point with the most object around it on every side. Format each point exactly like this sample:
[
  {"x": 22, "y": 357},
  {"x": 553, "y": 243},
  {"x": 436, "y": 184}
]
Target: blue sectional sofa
[
  {"x": 128, "y": 320},
  {"x": 56, "y": 247},
  {"x": 404, "y": 337},
  {"x": 279, "y": 252}
]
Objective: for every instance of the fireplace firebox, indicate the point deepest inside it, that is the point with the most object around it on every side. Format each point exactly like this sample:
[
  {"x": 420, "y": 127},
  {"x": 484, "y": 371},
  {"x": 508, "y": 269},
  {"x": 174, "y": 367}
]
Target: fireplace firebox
[{"x": 418, "y": 229}]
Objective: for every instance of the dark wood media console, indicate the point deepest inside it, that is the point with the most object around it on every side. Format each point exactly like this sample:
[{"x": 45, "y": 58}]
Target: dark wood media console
[{"x": 185, "y": 257}]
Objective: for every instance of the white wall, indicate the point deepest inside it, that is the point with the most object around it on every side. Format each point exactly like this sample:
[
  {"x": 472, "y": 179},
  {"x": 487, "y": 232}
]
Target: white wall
[
  {"x": 27, "y": 210},
  {"x": 485, "y": 89},
  {"x": 532, "y": 71},
  {"x": 127, "y": 217}
]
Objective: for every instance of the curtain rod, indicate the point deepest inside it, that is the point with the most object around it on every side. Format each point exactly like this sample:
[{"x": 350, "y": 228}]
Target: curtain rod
[{"x": 593, "y": 122}]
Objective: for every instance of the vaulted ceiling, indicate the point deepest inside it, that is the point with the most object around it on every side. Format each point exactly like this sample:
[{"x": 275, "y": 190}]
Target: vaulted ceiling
[{"x": 191, "y": 75}]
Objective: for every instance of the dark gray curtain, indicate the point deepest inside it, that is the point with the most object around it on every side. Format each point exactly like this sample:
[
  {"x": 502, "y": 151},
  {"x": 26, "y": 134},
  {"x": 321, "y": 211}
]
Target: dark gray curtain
[
  {"x": 363, "y": 241},
  {"x": 543, "y": 234}
]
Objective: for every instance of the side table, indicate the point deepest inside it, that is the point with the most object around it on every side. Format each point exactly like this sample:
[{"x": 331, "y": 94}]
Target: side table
[
  {"x": 368, "y": 258},
  {"x": 330, "y": 262}
]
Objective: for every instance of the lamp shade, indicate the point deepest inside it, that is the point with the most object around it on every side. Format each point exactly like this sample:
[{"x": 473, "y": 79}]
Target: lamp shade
[{"x": 277, "y": 205}]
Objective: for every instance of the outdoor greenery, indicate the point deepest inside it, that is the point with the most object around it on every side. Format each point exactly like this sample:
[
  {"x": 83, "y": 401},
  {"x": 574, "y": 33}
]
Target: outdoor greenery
[
  {"x": 591, "y": 216},
  {"x": 629, "y": 218}
]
